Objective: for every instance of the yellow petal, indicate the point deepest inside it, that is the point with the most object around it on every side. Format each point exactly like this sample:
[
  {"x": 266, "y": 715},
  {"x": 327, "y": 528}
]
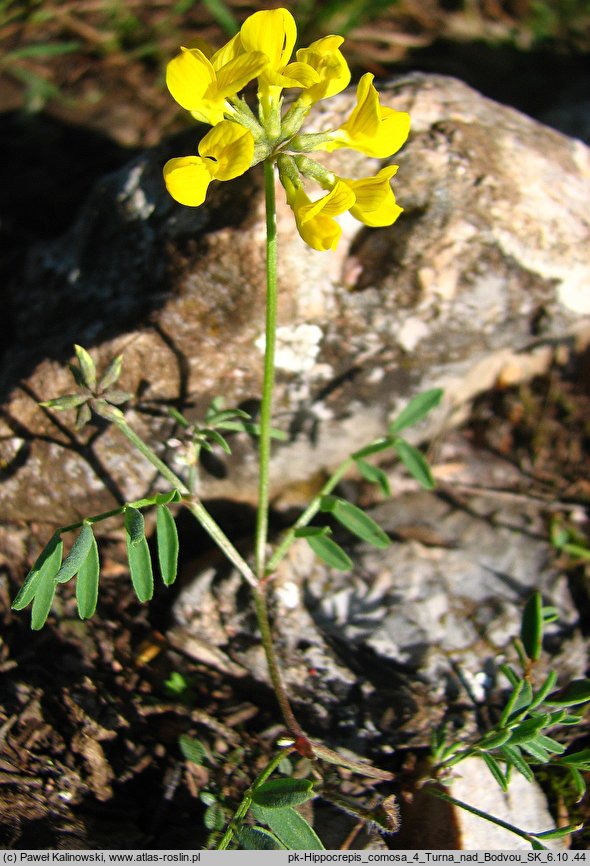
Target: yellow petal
[
  {"x": 188, "y": 77},
  {"x": 202, "y": 45},
  {"x": 319, "y": 231},
  {"x": 324, "y": 56},
  {"x": 236, "y": 74},
  {"x": 371, "y": 128},
  {"x": 375, "y": 202},
  {"x": 274, "y": 32},
  {"x": 341, "y": 198},
  {"x": 228, "y": 52},
  {"x": 210, "y": 111},
  {"x": 299, "y": 75},
  {"x": 187, "y": 179},
  {"x": 228, "y": 149}
]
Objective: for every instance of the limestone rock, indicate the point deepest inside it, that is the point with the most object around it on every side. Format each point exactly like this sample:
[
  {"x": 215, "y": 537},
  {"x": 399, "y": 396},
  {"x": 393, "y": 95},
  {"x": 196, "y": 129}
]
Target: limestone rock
[
  {"x": 382, "y": 651},
  {"x": 486, "y": 270}
]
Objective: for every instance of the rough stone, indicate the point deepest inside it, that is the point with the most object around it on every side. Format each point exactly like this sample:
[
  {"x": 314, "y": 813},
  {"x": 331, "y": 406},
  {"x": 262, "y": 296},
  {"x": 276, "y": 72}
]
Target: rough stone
[
  {"x": 426, "y": 620},
  {"x": 486, "y": 271}
]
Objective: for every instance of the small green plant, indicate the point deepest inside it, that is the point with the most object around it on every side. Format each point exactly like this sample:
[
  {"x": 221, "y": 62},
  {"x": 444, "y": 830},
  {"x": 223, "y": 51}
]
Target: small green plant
[
  {"x": 522, "y": 740},
  {"x": 570, "y": 541}
]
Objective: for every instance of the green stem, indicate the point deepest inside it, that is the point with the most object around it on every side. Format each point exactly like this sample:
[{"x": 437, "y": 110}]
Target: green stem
[
  {"x": 314, "y": 506},
  {"x": 273, "y": 666},
  {"x": 436, "y": 792},
  {"x": 247, "y": 798},
  {"x": 194, "y": 504},
  {"x": 269, "y": 368}
]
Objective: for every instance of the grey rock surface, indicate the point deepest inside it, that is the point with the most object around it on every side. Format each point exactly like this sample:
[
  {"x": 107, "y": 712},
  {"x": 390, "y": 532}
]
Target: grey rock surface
[
  {"x": 413, "y": 628},
  {"x": 486, "y": 271}
]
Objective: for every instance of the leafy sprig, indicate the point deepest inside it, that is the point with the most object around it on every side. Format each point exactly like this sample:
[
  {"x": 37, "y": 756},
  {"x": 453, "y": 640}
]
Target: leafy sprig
[{"x": 523, "y": 738}]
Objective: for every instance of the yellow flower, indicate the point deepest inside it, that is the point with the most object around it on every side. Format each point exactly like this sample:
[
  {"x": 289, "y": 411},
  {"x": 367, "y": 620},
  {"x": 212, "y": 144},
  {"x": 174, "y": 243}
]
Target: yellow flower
[
  {"x": 324, "y": 56},
  {"x": 314, "y": 220},
  {"x": 273, "y": 33},
  {"x": 371, "y": 128},
  {"x": 224, "y": 153},
  {"x": 375, "y": 203},
  {"x": 201, "y": 82},
  {"x": 207, "y": 83}
]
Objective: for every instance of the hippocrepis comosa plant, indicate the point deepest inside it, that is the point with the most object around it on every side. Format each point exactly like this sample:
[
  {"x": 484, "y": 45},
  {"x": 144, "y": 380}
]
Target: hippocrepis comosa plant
[{"x": 208, "y": 83}]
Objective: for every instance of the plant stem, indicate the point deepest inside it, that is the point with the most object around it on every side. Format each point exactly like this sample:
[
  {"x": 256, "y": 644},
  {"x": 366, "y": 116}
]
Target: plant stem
[
  {"x": 314, "y": 506},
  {"x": 247, "y": 798},
  {"x": 194, "y": 504},
  {"x": 273, "y": 666},
  {"x": 269, "y": 368},
  {"x": 436, "y": 792}
]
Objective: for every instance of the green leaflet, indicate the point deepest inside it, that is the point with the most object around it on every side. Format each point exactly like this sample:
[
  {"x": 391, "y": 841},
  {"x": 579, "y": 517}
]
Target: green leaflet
[
  {"x": 577, "y": 692},
  {"x": 417, "y": 408},
  {"x": 214, "y": 817},
  {"x": 494, "y": 739},
  {"x": 279, "y": 793},
  {"x": 77, "y": 555},
  {"x": 87, "y": 582},
  {"x": 531, "y": 632},
  {"x": 528, "y": 730},
  {"x": 257, "y": 839},
  {"x": 329, "y": 552},
  {"x": 87, "y": 368},
  {"x": 496, "y": 771},
  {"x": 290, "y": 828},
  {"x": 134, "y": 525},
  {"x": 513, "y": 756},
  {"x": 46, "y": 565},
  {"x": 112, "y": 373},
  {"x": 140, "y": 568},
  {"x": 415, "y": 463},
  {"x": 579, "y": 759},
  {"x": 42, "y": 601},
  {"x": 356, "y": 521},
  {"x": 193, "y": 750},
  {"x": 374, "y": 474},
  {"x": 167, "y": 537}
]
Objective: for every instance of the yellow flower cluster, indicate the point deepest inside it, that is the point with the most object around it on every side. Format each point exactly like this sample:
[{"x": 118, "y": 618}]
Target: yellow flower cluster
[{"x": 207, "y": 83}]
